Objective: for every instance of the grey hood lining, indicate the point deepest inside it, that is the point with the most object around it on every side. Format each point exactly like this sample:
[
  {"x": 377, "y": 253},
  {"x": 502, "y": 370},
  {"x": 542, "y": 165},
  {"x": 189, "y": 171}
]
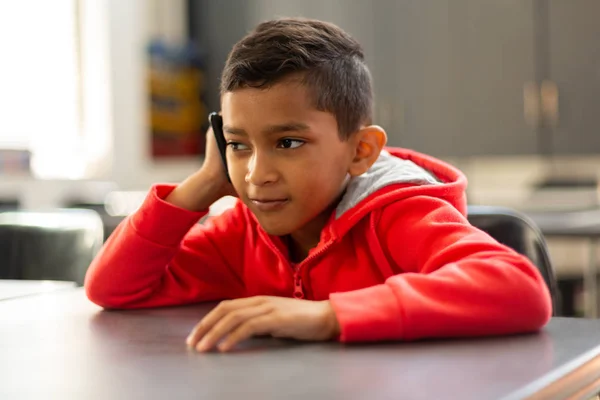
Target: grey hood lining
[{"x": 387, "y": 170}]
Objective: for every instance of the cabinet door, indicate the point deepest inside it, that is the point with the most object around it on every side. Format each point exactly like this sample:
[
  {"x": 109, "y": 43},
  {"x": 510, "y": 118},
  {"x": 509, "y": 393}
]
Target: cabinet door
[
  {"x": 574, "y": 66},
  {"x": 413, "y": 77},
  {"x": 492, "y": 58},
  {"x": 459, "y": 73}
]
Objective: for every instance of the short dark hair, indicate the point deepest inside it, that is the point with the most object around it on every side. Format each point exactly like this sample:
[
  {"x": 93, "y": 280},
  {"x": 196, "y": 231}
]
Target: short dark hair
[{"x": 330, "y": 61}]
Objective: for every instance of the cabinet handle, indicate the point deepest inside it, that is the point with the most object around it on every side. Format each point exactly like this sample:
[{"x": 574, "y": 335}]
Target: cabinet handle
[
  {"x": 549, "y": 100},
  {"x": 532, "y": 104}
]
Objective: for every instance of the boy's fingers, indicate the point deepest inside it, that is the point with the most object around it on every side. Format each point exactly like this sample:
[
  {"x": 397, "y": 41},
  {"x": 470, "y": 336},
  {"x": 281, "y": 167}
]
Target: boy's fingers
[
  {"x": 260, "y": 325},
  {"x": 215, "y": 315},
  {"x": 228, "y": 323}
]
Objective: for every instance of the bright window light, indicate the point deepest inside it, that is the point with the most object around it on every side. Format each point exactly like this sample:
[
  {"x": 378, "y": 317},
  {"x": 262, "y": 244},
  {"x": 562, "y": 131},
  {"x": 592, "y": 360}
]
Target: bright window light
[{"x": 40, "y": 96}]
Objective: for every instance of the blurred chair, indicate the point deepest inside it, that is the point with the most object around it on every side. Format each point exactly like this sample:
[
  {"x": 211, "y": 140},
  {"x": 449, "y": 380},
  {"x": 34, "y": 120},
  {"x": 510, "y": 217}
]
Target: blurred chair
[
  {"x": 49, "y": 245},
  {"x": 7, "y": 204},
  {"x": 109, "y": 222},
  {"x": 518, "y": 232}
]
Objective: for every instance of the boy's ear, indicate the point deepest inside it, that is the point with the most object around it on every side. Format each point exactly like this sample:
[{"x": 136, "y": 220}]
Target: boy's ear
[{"x": 369, "y": 142}]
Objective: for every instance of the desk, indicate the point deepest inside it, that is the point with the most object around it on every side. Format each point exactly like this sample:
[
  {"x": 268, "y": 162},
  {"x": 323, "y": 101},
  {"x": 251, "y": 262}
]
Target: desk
[
  {"x": 578, "y": 225},
  {"x": 10, "y": 289},
  {"x": 62, "y": 346}
]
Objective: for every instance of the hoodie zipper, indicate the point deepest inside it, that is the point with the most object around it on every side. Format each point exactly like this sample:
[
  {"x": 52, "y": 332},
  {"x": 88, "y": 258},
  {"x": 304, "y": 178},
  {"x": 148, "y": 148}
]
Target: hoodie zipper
[
  {"x": 298, "y": 291},
  {"x": 299, "y": 267}
]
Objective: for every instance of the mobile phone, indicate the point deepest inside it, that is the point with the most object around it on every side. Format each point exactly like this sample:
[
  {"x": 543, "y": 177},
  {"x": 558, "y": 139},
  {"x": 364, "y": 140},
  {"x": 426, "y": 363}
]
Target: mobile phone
[{"x": 216, "y": 122}]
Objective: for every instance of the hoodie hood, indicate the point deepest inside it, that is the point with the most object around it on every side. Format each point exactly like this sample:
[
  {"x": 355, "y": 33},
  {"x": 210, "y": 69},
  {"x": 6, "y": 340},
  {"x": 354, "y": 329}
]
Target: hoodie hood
[
  {"x": 386, "y": 171},
  {"x": 396, "y": 175}
]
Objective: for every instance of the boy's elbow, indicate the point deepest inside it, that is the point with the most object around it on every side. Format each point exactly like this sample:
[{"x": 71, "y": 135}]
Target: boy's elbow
[
  {"x": 527, "y": 296},
  {"x": 101, "y": 295},
  {"x": 536, "y": 315},
  {"x": 541, "y": 310},
  {"x": 541, "y": 302},
  {"x": 535, "y": 309}
]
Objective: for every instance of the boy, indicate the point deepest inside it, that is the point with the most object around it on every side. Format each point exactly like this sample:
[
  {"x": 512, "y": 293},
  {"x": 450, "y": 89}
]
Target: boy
[{"x": 334, "y": 236}]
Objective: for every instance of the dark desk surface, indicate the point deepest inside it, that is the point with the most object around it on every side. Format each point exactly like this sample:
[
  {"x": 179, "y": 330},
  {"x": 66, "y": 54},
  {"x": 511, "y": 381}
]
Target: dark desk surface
[
  {"x": 62, "y": 346},
  {"x": 10, "y": 289}
]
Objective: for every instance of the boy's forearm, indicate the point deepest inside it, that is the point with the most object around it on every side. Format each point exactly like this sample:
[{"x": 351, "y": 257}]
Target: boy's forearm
[
  {"x": 196, "y": 193},
  {"x": 131, "y": 270}
]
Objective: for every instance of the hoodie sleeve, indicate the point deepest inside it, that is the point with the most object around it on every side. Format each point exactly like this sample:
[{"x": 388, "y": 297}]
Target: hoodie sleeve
[
  {"x": 161, "y": 256},
  {"x": 458, "y": 281}
]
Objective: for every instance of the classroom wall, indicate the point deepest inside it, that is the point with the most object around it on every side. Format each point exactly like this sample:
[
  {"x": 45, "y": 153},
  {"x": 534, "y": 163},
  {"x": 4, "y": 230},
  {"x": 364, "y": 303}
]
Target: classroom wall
[{"x": 132, "y": 24}]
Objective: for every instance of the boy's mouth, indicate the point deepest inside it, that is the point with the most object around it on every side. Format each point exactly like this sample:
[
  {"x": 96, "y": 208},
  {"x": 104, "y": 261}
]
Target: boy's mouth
[{"x": 266, "y": 205}]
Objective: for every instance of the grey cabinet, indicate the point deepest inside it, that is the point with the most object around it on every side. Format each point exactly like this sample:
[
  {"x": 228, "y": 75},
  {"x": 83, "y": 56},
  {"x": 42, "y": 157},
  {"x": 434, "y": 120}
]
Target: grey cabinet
[
  {"x": 456, "y": 81},
  {"x": 412, "y": 79},
  {"x": 492, "y": 58},
  {"x": 573, "y": 59},
  {"x": 450, "y": 75}
]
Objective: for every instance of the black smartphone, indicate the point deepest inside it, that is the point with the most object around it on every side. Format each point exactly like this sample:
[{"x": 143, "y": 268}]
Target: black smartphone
[{"x": 216, "y": 122}]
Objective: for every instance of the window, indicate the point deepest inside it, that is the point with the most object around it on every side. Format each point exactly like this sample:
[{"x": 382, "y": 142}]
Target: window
[{"x": 40, "y": 91}]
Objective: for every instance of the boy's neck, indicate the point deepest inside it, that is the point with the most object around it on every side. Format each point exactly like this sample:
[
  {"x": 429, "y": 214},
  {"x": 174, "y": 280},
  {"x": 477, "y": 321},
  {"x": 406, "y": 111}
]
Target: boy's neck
[{"x": 299, "y": 243}]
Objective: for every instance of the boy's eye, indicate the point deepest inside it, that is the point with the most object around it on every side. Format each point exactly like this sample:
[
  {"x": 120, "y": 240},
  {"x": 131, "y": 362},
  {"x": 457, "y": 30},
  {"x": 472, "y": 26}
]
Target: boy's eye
[
  {"x": 290, "y": 143},
  {"x": 235, "y": 146}
]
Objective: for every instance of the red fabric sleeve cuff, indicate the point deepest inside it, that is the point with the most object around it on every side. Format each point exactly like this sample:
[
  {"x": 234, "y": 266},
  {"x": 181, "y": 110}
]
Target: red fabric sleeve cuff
[
  {"x": 161, "y": 222},
  {"x": 370, "y": 314}
]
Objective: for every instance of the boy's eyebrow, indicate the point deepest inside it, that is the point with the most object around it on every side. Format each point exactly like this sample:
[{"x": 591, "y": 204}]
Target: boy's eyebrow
[
  {"x": 234, "y": 131},
  {"x": 270, "y": 130},
  {"x": 287, "y": 127}
]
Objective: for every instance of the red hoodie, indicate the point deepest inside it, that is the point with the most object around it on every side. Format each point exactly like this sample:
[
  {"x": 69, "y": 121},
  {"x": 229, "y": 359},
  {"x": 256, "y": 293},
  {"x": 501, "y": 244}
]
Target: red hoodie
[{"x": 397, "y": 260}]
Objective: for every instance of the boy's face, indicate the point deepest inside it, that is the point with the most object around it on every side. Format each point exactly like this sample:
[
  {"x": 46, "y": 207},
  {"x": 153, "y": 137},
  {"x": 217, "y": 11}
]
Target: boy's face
[{"x": 286, "y": 160}]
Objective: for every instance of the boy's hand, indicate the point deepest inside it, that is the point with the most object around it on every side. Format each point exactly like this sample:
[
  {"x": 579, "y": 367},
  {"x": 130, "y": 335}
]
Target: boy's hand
[
  {"x": 235, "y": 320},
  {"x": 206, "y": 185}
]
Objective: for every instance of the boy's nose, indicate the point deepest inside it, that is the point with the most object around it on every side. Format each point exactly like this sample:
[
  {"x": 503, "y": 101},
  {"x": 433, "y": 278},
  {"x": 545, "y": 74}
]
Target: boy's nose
[{"x": 260, "y": 171}]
